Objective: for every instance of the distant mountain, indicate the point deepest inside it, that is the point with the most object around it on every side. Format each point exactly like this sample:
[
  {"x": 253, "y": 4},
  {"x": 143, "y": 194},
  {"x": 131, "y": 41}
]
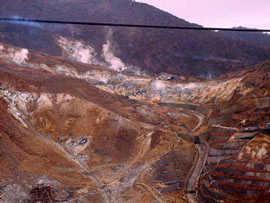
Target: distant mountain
[
  {"x": 258, "y": 39},
  {"x": 184, "y": 52}
]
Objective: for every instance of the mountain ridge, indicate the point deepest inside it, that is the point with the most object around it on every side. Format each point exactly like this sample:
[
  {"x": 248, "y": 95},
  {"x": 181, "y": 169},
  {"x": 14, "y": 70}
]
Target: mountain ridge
[{"x": 187, "y": 52}]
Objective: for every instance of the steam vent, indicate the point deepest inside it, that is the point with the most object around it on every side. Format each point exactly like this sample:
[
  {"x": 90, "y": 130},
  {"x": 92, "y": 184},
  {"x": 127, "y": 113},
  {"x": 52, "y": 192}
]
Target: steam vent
[{"x": 109, "y": 114}]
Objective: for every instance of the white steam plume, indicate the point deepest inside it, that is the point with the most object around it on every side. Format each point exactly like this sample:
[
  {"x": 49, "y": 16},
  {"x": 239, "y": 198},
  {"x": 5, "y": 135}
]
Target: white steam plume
[{"x": 114, "y": 62}]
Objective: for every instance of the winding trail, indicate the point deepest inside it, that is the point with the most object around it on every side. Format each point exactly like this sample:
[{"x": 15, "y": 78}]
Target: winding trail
[
  {"x": 153, "y": 192},
  {"x": 192, "y": 109},
  {"x": 143, "y": 149},
  {"x": 200, "y": 117},
  {"x": 225, "y": 127},
  {"x": 196, "y": 170},
  {"x": 201, "y": 153}
]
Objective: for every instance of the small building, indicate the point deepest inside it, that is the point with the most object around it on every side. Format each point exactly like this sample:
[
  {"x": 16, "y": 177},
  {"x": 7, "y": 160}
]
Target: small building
[
  {"x": 42, "y": 193},
  {"x": 266, "y": 129},
  {"x": 245, "y": 136},
  {"x": 167, "y": 76},
  {"x": 250, "y": 129}
]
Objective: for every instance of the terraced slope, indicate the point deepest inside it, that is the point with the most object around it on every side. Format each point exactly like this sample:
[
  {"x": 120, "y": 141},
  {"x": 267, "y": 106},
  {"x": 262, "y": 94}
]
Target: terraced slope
[
  {"x": 171, "y": 171},
  {"x": 243, "y": 176}
]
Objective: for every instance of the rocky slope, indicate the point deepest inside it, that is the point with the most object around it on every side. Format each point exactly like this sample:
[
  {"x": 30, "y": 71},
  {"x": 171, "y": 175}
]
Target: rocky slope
[
  {"x": 64, "y": 132},
  {"x": 77, "y": 132}
]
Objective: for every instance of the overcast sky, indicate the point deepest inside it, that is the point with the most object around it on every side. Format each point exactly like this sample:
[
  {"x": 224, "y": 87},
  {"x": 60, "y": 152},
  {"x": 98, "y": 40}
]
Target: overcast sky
[{"x": 219, "y": 13}]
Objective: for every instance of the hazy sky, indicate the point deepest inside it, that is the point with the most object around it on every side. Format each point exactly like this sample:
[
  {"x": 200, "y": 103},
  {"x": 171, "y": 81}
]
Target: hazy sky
[{"x": 219, "y": 13}]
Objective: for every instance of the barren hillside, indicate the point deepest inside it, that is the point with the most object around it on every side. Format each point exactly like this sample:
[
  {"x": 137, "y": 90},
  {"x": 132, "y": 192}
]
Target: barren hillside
[{"x": 77, "y": 132}]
